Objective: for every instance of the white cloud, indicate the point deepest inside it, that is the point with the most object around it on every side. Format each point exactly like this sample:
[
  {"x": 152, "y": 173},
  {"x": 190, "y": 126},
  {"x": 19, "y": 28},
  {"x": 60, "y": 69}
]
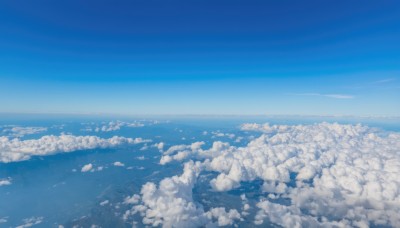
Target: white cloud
[
  {"x": 13, "y": 150},
  {"x": 105, "y": 202},
  {"x": 171, "y": 203},
  {"x": 223, "y": 217},
  {"x": 144, "y": 147},
  {"x": 172, "y": 149},
  {"x": 220, "y": 134},
  {"x": 87, "y": 168},
  {"x": 31, "y": 222},
  {"x": 5, "y": 181},
  {"x": 239, "y": 139},
  {"x": 132, "y": 200},
  {"x": 160, "y": 146},
  {"x": 336, "y": 96},
  {"x": 182, "y": 152},
  {"x": 386, "y": 80},
  {"x": 344, "y": 174},
  {"x": 117, "y": 163},
  {"x": 116, "y": 125},
  {"x": 3, "y": 220},
  {"x": 16, "y": 131}
]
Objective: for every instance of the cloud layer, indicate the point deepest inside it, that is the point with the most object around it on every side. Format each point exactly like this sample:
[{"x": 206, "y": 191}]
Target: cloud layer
[
  {"x": 332, "y": 174},
  {"x": 13, "y": 150}
]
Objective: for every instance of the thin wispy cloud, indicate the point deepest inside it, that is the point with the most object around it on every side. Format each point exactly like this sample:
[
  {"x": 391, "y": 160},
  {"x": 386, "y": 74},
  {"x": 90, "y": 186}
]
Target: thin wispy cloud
[
  {"x": 384, "y": 81},
  {"x": 335, "y": 96}
]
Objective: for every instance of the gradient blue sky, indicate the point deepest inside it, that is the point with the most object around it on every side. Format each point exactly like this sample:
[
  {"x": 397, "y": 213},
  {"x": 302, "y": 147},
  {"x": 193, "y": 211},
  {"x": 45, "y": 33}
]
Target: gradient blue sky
[{"x": 200, "y": 57}]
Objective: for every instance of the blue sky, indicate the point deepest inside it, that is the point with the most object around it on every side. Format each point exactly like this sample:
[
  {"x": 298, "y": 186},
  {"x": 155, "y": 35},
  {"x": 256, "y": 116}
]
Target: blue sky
[{"x": 200, "y": 57}]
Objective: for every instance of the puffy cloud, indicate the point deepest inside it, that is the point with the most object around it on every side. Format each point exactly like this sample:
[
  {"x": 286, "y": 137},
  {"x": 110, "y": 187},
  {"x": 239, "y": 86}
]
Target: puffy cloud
[
  {"x": 264, "y": 128},
  {"x": 272, "y": 187},
  {"x": 175, "y": 148},
  {"x": 291, "y": 216},
  {"x": 5, "y": 181},
  {"x": 332, "y": 174},
  {"x": 117, "y": 163},
  {"x": 171, "y": 203},
  {"x": 13, "y": 150},
  {"x": 116, "y": 125},
  {"x": 220, "y": 134},
  {"x": 87, "y": 168},
  {"x": 182, "y": 152},
  {"x": 132, "y": 200},
  {"x": 239, "y": 139},
  {"x": 223, "y": 217},
  {"x": 160, "y": 146}
]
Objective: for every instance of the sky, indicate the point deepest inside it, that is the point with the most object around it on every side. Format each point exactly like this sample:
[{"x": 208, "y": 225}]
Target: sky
[{"x": 200, "y": 57}]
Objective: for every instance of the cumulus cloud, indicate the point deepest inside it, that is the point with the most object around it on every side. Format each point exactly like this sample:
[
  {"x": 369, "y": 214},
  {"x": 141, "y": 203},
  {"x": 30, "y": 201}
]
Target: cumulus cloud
[
  {"x": 116, "y": 125},
  {"x": 5, "y": 181},
  {"x": 13, "y": 150},
  {"x": 160, "y": 146},
  {"x": 220, "y": 134},
  {"x": 332, "y": 174},
  {"x": 171, "y": 203},
  {"x": 194, "y": 150},
  {"x": 117, "y": 163},
  {"x": 132, "y": 200},
  {"x": 246, "y": 205},
  {"x": 87, "y": 168},
  {"x": 180, "y": 152},
  {"x": 223, "y": 217}
]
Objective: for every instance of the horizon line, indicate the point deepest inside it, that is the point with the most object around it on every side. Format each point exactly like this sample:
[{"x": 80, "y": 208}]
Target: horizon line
[{"x": 198, "y": 115}]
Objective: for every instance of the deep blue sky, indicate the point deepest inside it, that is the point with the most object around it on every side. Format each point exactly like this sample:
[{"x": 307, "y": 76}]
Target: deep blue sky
[{"x": 200, "y": 57}]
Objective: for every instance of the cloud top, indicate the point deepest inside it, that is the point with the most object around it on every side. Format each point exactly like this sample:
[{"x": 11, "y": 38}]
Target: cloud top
[
  {"x": 14, "y": 150},
  {"x": 332, "y": 174}
]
